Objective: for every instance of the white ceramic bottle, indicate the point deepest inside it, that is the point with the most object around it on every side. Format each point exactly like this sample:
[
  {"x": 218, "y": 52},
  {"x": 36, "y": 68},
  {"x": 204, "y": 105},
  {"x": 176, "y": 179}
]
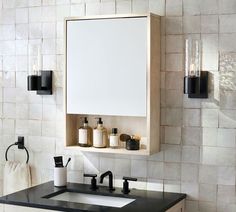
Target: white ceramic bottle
[{"x": 114, "y": 138}]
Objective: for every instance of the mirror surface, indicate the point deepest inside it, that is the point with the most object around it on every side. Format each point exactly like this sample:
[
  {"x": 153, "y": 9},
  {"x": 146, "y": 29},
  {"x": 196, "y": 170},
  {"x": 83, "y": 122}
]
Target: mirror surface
[{"x": 106, "y": 66}]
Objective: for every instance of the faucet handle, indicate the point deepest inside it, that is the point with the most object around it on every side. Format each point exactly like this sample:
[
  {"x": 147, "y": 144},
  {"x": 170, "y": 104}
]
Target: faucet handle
[
  {"x": 130, "y": 178},
  {"x": 125, "y": 189},
  {"x": 93, "y": 181},
  {"x": 90, "y": 175}
]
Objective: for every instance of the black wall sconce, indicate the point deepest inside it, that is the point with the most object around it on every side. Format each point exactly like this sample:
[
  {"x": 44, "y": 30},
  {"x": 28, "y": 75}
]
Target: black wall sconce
[
  {"x": 195, "y": 80},
  {"x": 41, "y": 83},
  {"x": 38, "y": 80}
]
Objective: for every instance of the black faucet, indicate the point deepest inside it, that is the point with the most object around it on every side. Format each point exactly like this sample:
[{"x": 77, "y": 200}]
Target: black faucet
[
  {"x": 109, "y": 173},
  {"x": 93, "y": 181}
]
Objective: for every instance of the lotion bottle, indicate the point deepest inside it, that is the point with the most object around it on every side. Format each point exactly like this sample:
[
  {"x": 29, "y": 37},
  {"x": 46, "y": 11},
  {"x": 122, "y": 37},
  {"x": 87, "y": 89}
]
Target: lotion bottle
[
  {"x": 100, "y": 139},
  {"x": 85, "y": 134},
  {"x": 114, "y": 139}
]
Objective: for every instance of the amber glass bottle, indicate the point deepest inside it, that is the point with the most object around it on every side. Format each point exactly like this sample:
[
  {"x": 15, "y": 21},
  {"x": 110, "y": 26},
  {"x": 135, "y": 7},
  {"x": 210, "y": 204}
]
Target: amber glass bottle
[{"x": 85, "y": 134}]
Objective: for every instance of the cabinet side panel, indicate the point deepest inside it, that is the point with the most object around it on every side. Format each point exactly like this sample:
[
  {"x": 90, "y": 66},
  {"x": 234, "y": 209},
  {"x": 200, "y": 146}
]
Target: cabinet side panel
[
  {"x": 71, "y": 130},
  {"x": 154, "y": 84},
  {"x": 2, "y": 207}
]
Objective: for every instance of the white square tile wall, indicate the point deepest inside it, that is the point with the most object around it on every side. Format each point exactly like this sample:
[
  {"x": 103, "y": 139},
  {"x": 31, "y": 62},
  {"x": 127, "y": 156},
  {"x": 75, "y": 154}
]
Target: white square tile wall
[{"x": 198, "y": 135}]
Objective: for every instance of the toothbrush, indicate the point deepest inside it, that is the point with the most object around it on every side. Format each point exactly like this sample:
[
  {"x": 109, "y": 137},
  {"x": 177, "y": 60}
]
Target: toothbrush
[{"x": 69, "y": 159}]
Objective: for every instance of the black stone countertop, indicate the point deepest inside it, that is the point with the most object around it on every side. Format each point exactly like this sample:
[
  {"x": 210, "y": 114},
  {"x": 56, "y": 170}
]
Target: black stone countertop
[{"x": 148, "y": 201}]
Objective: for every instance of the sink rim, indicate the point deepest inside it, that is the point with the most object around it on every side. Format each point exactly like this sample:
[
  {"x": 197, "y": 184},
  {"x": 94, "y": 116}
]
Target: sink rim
[
  {"x": 93, "y": 192},
  {"x": 128, "y": 199}
]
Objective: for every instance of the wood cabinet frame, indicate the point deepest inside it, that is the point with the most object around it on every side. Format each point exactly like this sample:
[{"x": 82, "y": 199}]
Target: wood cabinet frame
[{"x": 152, "y": 119}]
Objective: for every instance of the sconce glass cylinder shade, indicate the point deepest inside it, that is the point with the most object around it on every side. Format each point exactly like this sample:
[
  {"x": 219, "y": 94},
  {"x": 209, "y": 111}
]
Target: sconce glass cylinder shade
[
  {"x": 192, "y": 66},
  {"x": 35, "y": 59},
  {"x": 34, "y": 67}
]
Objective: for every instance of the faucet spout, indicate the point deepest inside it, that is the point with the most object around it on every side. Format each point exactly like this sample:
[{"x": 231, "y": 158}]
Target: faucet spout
[{"x": 108, "y": 173}]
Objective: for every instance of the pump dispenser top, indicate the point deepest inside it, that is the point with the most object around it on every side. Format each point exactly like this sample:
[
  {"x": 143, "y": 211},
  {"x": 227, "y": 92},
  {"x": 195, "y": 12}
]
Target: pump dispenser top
[
  {"x": 85, "y": 120},
  {"x": 99, "y": 121}
]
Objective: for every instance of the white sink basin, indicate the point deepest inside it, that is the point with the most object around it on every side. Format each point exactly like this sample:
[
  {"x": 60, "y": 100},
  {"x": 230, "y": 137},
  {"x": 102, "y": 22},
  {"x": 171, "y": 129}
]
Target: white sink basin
[{"x": 91, "y": 199}]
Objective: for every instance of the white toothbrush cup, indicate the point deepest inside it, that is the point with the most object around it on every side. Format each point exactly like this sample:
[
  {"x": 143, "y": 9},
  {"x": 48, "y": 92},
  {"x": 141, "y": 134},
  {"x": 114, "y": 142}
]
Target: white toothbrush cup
[{"x": 60, "y": 176}]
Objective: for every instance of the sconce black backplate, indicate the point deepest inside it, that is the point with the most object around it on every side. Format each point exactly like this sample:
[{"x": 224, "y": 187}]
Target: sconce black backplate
[
  {"x": 46, "y": 83},
  {"x": 203, "y": 87}
]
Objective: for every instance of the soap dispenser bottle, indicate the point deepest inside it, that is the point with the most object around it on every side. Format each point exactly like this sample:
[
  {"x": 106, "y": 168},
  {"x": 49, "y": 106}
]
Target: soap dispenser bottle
[
  {"x": 85, "y": 134},
  {"x": 100, "y": 138}
]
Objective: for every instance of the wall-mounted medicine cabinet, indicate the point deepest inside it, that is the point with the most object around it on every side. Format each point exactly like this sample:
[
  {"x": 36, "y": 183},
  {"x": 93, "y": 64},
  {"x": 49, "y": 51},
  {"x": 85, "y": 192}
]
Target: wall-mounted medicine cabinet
[{"x": 113, "y": 71}]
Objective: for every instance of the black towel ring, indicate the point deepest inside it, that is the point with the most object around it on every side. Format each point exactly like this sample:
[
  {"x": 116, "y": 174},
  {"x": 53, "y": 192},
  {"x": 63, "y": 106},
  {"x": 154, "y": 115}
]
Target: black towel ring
[{"x": 20, "y": 145}]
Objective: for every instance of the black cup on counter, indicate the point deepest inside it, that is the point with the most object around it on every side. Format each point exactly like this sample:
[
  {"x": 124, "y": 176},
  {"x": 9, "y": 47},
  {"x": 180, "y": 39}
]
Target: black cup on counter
[{"x": 131, "y": 142}]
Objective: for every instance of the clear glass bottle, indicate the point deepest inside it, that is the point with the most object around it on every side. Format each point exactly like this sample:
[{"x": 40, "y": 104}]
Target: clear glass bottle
[
  {"x": 114, "y": 138},
  {"x": 100, "y": 138},
  {"x": 85, "y": 134}
]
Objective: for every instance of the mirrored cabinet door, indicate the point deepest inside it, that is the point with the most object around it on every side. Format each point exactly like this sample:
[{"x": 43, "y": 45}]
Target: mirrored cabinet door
[{"x": 107, "y": 66}]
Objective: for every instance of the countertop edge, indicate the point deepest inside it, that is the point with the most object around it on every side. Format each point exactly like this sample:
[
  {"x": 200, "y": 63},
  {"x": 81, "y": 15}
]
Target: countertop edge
[
  {"x": 34, "y": 197},
  {"x": 40, "y": 206},
  {"x": 175, "y": 202}
]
